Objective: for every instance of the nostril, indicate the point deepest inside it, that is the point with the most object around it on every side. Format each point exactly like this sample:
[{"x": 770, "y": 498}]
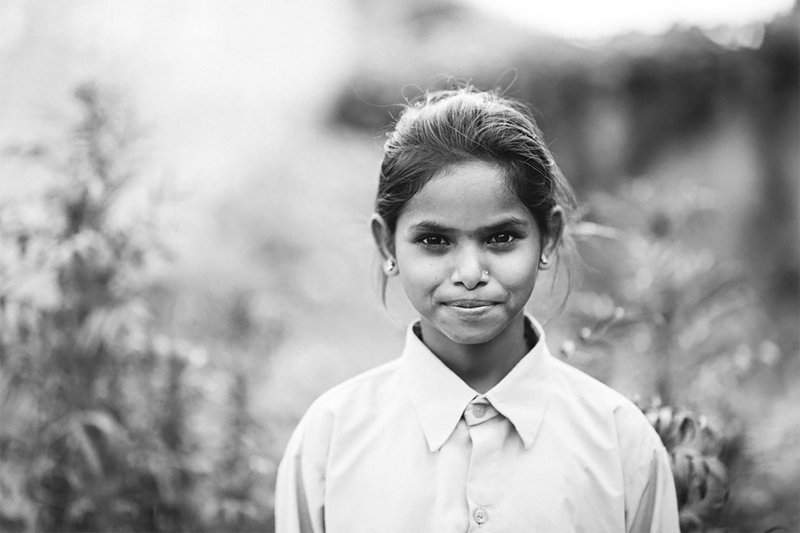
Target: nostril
[
  {"x": 468, "y": 281},
  {"x": 468, "y": 269}
]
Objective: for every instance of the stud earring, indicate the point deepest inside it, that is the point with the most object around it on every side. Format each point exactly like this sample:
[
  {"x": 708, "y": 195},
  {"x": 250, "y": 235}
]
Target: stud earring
[
  {"x": 544, "y": 261},
  {"x": 390, "y": 267}
]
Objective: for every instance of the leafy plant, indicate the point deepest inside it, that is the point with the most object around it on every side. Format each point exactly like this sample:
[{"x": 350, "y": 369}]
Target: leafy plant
[
  {"x": 690, "y": 327},
  {"x": 93, "y": 435}
]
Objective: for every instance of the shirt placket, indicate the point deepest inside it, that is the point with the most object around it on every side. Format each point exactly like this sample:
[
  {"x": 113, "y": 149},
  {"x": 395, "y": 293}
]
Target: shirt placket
[{"x": 484, "y": 432}]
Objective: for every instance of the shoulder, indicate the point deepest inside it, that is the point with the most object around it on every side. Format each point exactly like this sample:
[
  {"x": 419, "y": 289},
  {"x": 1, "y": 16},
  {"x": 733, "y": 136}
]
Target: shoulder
[
  {"x": 367, "y": 386},
  {"x": 356, "y": 397},
  {"x": 621, "y": 432},
  {"x": 601, "y": 403},
  {"x": 577, "y": 384}
]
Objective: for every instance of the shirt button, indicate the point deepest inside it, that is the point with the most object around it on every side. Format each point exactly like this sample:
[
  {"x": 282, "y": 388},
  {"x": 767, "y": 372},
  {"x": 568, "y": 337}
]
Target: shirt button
[
  {"x": 480, "y": 515},
  {"x": 479, "y": 410}
]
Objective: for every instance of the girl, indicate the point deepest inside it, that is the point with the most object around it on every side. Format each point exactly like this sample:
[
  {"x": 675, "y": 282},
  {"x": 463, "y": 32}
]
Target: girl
[{"x": 476, "y": 426}]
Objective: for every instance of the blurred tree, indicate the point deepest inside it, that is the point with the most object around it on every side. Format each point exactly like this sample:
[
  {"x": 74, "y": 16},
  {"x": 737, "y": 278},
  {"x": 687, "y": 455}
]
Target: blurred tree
[
  {"x": 93, "y": 435},
  {"x": 688, "y": 329},
  {"x": 686, "y": 305},
  {"x": 233, "y": 505},
  {"x": 240, "y": 493}
]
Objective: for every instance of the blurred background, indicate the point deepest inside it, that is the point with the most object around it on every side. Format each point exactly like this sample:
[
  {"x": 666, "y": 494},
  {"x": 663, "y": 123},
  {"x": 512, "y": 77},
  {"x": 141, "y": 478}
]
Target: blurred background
[{"x": 185, "y": 262}]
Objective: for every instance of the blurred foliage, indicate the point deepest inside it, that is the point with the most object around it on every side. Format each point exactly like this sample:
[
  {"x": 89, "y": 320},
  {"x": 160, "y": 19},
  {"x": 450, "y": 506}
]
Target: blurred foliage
[
  {"x": 701, "y": 480},
  {"x": 679, "y": 302},
  {"x": 99, "y": 408},
  {"x": 693, "y": 324}
]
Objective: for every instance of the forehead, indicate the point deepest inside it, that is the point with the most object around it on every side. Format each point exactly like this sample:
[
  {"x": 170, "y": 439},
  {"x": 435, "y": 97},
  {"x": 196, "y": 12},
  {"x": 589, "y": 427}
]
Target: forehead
[{"x": 466, "y": 196}]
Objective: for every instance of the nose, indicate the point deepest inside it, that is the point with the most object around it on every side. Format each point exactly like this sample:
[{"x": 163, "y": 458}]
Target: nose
[{"x": 468, "y": 269}]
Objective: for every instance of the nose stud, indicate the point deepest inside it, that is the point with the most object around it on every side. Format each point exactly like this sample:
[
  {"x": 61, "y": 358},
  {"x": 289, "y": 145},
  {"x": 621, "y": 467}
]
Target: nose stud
[{"x": 484, "y": 275}]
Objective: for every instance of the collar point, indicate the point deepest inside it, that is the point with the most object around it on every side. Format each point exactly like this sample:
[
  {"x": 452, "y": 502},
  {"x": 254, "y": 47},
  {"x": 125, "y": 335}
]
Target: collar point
[{"x": 434, "y": 447}]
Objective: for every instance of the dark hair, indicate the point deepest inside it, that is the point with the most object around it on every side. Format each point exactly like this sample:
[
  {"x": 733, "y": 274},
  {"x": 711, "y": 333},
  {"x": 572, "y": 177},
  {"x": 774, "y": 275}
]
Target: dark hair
[{"x": 448, "y": 127}]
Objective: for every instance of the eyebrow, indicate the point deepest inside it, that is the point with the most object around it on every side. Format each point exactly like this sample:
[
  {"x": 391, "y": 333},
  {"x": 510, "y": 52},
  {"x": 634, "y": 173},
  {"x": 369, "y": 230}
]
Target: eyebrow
[{"x": 512, "y": 223}]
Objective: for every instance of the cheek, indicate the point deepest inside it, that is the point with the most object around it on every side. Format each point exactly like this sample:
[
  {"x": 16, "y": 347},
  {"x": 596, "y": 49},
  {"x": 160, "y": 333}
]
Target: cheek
[
  {"x": 422, "y": 273},
  {"x": 517, "y": 272},
  {"x": 419, "y": 273}
]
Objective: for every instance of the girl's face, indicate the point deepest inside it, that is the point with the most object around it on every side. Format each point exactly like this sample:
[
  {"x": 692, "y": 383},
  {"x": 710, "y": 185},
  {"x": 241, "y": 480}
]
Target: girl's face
[{"x": 467, "y": 254}]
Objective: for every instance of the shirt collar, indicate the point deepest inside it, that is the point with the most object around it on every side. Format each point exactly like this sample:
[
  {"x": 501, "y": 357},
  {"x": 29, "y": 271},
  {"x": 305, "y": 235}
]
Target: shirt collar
[
  {"x": 439, "y": 396},
  {"x": 522, "y": 395}
]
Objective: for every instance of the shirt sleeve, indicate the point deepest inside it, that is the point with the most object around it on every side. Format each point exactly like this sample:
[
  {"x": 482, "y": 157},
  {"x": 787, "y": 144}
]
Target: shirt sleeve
[
  {"x": 300, "y": 487},
  {"x": 654, "y": 506},
  {"x": 651, "y": 505}
]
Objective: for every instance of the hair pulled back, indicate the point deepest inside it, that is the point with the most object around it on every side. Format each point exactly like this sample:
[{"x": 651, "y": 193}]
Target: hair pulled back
[{"x": 448, "y": 127}]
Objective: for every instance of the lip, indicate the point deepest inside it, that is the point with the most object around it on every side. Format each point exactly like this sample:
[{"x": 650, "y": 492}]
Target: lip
[{"x": 470, "y": 303}]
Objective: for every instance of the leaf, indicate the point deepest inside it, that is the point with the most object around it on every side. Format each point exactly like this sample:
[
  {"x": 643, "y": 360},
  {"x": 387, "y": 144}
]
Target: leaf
[
  {"x": 591, "y": 230},
  {"x": 105, "y": 424},
  {"x": 86, "y": 446}
]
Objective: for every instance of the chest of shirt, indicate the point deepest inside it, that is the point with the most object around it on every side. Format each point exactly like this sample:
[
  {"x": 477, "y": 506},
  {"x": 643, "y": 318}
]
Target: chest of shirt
[{"x": 382, "y": 476}]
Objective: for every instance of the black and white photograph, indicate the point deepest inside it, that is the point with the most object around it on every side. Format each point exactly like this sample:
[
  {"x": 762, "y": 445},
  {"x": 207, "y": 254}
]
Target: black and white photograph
[{"x": 379, "y": 266}]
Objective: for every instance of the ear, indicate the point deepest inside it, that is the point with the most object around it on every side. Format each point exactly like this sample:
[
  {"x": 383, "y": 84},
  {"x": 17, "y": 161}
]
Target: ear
[
  {"x": 553, "y": 237},
  {"x": 383, "y": 240}
]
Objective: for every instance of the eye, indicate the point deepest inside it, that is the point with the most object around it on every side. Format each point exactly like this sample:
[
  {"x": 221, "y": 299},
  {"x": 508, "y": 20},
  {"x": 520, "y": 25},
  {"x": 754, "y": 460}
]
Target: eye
[
  {"x": 432, "y": 241},
  {"x": 503, "y": 238}
]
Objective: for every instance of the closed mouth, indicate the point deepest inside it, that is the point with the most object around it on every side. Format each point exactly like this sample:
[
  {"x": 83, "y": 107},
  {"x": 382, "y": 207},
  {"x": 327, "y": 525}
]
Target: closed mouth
[{"x": 470, "y": 304}]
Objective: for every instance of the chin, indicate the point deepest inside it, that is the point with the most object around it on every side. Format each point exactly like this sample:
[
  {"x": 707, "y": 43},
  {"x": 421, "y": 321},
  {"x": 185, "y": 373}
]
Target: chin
[{"x": 471, "y": 335}]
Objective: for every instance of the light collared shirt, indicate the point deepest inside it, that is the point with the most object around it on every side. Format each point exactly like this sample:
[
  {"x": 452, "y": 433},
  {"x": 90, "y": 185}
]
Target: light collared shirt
[{"x": 409, "y": 447}]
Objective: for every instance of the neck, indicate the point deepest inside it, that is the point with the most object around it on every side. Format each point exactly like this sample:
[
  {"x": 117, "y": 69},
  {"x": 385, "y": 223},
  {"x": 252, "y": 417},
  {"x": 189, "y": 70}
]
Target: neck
[{"x": 481, "y": 366}]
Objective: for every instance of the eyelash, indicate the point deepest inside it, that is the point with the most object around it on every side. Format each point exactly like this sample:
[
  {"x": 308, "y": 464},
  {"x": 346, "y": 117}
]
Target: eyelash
[{"x": 512, "y": 238}]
